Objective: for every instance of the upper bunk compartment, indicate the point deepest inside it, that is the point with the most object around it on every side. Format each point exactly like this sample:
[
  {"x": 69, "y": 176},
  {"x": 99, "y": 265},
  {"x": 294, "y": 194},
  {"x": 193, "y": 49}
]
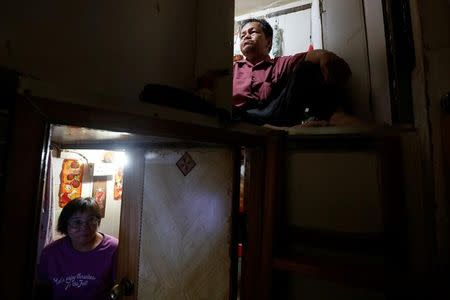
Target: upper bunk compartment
[
  {"x": 107, "y": 52},
  {"x": 354, "y": 30}
]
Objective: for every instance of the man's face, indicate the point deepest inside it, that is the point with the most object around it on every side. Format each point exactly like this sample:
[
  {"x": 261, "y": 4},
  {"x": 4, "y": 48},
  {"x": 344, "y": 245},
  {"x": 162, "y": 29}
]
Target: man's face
[{"x": 253, "y": 40}]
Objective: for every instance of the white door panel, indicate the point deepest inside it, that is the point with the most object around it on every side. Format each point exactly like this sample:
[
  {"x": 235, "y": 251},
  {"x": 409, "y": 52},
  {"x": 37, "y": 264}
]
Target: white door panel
[{"x": 344, "y": 33}]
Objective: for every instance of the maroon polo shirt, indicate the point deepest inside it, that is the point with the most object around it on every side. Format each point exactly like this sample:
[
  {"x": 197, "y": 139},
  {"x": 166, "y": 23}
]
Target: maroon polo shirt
[{"x": 255, "y": 82}]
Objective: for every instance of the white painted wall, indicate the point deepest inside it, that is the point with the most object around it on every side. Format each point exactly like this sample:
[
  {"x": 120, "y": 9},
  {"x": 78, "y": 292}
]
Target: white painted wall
[
  {"x": 296, "y": 31},
  {"x": 379, "y": 73},
  {"x": 247, "y": 6},
  {"x": 316, "y": 22},
  {"x": 344, "y": 33}
]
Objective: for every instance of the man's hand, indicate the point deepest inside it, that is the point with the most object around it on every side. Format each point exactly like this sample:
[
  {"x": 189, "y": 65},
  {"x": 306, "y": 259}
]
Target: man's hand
[
  {"x": 311, "y": 123},
  {"x": 334, "y": 69}
]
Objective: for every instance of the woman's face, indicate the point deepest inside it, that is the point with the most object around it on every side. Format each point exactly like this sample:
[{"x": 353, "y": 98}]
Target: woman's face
[{"x": 82, "y": 227}]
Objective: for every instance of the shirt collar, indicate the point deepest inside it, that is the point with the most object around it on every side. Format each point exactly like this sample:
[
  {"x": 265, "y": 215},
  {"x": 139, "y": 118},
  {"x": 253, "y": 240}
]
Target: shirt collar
[{"x": 267, "y": 59}]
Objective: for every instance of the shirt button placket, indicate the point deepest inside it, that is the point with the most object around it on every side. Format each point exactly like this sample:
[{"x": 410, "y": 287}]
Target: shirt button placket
[{"x": 253, "y": 82}]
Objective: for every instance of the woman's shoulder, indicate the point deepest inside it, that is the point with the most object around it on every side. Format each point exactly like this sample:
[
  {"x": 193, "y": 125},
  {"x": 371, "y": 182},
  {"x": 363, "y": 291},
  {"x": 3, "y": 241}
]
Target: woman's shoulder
[
  {"x": 55, "y": 245},
  {"x": 110, "y": 240}
]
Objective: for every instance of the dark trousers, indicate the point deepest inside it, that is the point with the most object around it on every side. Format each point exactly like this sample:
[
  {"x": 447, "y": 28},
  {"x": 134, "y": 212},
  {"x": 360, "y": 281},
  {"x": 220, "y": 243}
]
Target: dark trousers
[{"x": 303, "y": 96}]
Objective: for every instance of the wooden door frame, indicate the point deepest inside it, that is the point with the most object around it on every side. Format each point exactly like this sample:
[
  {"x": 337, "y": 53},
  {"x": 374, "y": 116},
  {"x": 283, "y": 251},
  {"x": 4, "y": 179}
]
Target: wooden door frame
[
  {"x": 129, "y": 235},
  {"x": 273, "y": 195},
  {"x": 263, "y": 184},
  {"x": 391, "y": 243},
  {"x": 26, "y": 167}
]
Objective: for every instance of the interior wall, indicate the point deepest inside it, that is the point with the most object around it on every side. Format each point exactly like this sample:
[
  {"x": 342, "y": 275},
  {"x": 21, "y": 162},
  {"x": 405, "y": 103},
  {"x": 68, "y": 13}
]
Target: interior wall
[
  {"x": 186, "y": 223},
  {"x": 247, "y": 6},
  {"x": 344, "y": 33},
  {"x": 321, "y": 195},
  {"x": 102, "y": 54},
  {"x": 214, "y": 49},
  {"x": 379, "y": 73},
  {"x": 110, "y": 224},
  {"x": 108, "y": 48}
]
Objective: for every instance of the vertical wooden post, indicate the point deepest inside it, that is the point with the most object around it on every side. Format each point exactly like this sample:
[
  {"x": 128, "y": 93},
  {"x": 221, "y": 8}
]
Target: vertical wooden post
[
  {"x": 19, "y": 219},
  {"x": 253, "y": 195},
  {"x": 130, "y": 219},
  {"x": 272, "y": 190}
]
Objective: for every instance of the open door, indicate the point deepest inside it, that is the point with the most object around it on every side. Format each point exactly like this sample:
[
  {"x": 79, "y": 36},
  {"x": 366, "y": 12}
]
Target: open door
[{"x": 176, "y": 224}]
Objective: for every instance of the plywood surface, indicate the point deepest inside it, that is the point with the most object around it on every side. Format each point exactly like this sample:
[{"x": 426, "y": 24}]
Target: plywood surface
[
  {"x": 334, "y": 191},
  {"x": 186, "y": 223}
]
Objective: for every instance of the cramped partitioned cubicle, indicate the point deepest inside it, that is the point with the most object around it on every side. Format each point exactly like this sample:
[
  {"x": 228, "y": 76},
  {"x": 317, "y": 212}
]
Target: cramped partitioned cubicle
[{"x": 334, "y": 183}]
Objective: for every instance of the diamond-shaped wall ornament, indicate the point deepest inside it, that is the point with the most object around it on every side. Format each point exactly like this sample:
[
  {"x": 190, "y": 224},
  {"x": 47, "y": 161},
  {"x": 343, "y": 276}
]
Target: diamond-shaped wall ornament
[{"x": 186, "y": 164}]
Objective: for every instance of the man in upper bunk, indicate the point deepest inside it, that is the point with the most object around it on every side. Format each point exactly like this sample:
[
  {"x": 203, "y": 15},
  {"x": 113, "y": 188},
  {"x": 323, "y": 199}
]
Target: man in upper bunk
[{"x": 304, "y": 89}]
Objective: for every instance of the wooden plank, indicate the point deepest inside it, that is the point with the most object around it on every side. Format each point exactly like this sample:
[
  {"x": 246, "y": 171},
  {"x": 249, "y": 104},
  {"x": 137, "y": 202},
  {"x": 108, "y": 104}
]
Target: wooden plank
[
  {"x": 253, "y": 193},
  {"x": 393, "y": 203},
  {"x": 186, "y": 223},
  {"x": 3, "y": 150},
  {"x": 19, "y": 218},
  {"x": 336, "y": 270},
  {"x": 365, "y": 243},
  {"x": 271, "y": 197},
  {"x": 445, "y": 130},
  {"x": 130, "y": 219},
  {"x": 391, "y": 245},
  {"x": 234, "y": 284},
  {"x": 4, "y": 126},
  {"x": 125, "y": 122}
]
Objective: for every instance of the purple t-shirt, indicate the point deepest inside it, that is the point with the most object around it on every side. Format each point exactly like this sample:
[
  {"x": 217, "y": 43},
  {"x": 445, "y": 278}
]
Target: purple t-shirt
[
  {"x": 79, "y": 275},
  {"x": 254, "y": 83}
]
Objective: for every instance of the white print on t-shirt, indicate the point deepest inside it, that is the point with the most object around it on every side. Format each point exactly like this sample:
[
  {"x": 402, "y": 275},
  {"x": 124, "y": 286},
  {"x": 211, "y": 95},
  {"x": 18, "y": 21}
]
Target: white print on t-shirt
[{"x": 77, "y": 281}]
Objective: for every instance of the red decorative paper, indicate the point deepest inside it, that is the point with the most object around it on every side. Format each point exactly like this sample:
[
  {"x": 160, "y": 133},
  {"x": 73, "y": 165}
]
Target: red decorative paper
[
  {"x": 118, "y": 182},
  {"x": 71, "y": 181},
  {"x": 186, "y": 163},
  {"x": 99, "y": 193}
]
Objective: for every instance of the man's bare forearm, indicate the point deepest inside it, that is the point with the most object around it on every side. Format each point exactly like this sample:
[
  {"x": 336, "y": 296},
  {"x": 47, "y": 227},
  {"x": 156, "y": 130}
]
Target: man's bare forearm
[
  {"x": 334, "y": 69},
  {"x": 319, "y": 56}
]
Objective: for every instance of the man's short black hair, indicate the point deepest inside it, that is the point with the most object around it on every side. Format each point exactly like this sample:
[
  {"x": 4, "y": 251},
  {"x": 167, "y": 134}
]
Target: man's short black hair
[
  {"x": 81, "y": 204},
  {"x": 267, "y": 29}
]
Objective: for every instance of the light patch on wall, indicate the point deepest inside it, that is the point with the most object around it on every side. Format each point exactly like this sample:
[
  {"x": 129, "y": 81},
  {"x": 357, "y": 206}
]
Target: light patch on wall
[
  {"x": 151, "y": 155},
  {"x": 120, "y": 159}
]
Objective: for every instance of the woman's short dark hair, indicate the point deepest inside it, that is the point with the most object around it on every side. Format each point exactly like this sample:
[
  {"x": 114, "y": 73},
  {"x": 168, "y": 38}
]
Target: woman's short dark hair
[
  {"x": 266, "y": 28},
  {"x": 87, "y": 204}
]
